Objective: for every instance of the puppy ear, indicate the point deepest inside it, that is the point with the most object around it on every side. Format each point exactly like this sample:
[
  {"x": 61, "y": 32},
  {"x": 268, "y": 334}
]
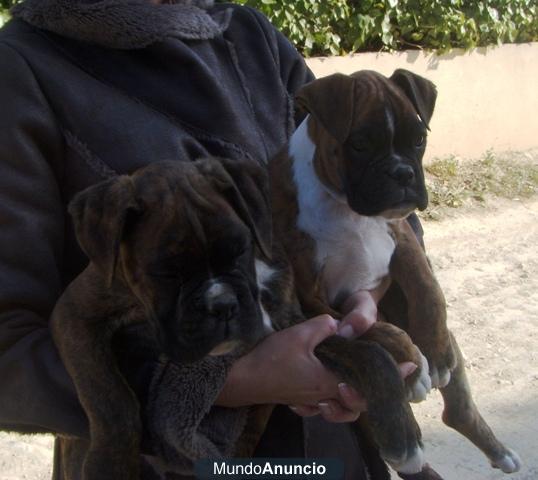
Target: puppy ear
[
  {"x": 330, "y": 100},
  {"x": 250, "y": 197},
  {"x": 419, "y": 90},
  {"x": 99, "y": 216}
]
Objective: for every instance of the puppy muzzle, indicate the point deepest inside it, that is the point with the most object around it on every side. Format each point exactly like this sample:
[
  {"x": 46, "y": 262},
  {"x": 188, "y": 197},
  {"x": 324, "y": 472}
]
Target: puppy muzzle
[
  {"x": 388, "y": 184},
  {"x": 221, "y": 301},
  {"x": 217, "y": 317}
]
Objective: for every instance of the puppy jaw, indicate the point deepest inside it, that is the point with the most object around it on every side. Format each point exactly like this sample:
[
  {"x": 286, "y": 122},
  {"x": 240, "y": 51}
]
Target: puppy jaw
[
  {"x": 225, "y": 348},
  {"x": 398, "y": 213}
]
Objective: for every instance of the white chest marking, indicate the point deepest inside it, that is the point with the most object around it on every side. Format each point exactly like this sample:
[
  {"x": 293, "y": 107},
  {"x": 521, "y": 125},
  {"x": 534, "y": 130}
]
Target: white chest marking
[
  {"x": 352, "y": 251},
  {"x": 263, "y": 274}
]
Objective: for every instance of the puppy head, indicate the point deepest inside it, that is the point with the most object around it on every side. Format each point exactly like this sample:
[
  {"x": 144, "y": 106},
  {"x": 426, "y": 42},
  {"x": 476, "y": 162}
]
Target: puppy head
[
  {"x": 181, "y": 239},
  {"x": 372, "y": 137}
]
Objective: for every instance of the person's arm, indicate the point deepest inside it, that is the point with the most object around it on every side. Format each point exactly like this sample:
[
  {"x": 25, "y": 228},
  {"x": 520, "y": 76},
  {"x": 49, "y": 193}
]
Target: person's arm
[
  {"x": 294, "y": 72},
  {"x": 36, "y": 393}
]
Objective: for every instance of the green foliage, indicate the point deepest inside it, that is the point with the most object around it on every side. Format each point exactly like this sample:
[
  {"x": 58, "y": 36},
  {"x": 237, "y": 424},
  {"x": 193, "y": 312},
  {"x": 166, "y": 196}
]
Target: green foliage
[
  {"x": 321, "y": 27},
  {"x": 5, "y": 5},
  {"x": 342, "y": 26}
]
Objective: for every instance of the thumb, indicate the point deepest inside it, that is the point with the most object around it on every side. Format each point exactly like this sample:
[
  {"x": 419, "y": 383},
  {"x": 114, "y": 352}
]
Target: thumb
[
  {"x": 406, "y": 368},
  {"x": 318, "y": 329}
]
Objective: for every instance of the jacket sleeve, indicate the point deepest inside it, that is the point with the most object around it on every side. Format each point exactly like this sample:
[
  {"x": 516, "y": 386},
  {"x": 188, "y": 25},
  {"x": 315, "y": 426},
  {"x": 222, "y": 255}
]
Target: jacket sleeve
[
  {"x": 36, "y": 393},
  {"x": 293, "y": 69},
  {"x": 294, "y": 72}
]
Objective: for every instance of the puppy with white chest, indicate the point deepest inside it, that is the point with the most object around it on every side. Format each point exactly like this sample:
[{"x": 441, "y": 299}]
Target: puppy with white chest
[{"x": 351, "y": 174}]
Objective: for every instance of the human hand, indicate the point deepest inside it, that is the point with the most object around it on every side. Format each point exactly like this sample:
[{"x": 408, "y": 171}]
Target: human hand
[
  {"x": 360, "y": 310},
  {"x": 360, "y": 313},
  {"x": 283, "y": 369}
]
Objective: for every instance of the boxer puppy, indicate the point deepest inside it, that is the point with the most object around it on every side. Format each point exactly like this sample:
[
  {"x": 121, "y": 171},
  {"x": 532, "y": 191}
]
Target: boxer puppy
[
  {"x": 173, "y": 245},
  {"x": 340, "y": 191}
]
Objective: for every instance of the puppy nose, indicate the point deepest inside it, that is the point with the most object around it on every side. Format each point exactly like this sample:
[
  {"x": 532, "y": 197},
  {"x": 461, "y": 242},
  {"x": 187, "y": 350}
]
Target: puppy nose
[
  {"x": 221, "y": 301},
  {"x": 224, "y": 306},
  {"x": 403, "y": 174}
]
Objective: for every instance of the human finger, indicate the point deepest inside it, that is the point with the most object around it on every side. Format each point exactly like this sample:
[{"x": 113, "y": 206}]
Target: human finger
[
  {"x": 355, "y": 323},
  {"x": 407, "y": 368},
  {"x": 360, "y": 311},
  {"x": 351, "y": 399},
  {"x": 333, "y": 411},
  {"x": 305, "y": 410},
  {"x": 318, "y": 329}
]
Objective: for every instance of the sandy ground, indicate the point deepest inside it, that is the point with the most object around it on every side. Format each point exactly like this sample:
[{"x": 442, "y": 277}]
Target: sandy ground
[{"x": 486, "y": 260}]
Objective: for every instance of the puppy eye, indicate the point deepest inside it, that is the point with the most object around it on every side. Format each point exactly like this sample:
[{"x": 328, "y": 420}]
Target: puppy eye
[
  {"x": 420, "y": 140},
  {"x": 239, "y": 250},
  {"x": 360, "y": 146},
  {"x": 164, "y": 274}
]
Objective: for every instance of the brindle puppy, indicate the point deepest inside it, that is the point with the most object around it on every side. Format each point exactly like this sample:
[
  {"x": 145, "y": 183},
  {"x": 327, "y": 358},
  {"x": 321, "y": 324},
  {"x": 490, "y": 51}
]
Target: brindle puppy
[{"x": 173, "y": 245}]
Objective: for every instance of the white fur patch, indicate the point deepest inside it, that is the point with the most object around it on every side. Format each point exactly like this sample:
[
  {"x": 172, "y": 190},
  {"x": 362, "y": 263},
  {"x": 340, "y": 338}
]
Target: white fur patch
[
  {"x": 422, "y": 386},
  {"x": 409, "y": 463},
  {"x": 263, "y": 274},
  {"x": 216, "y": 289},
  {"x": 352, "y": 251},
  {"x": 440, "y": 377},
  {"x": 267, "y": 323},
  {"x": 510, "y": 463}
]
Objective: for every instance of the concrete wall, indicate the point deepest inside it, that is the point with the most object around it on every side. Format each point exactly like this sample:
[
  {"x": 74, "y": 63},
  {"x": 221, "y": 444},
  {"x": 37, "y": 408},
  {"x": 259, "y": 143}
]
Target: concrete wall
[{"x": 488, "y": 98}]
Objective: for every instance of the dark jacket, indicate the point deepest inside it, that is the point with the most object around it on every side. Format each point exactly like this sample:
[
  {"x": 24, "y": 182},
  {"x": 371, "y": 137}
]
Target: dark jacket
[{"x": 84, "y": 96}]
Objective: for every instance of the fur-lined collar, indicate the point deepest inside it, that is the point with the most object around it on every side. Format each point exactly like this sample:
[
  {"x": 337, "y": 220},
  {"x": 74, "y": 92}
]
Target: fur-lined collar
[{"x": 124, "y": 24}]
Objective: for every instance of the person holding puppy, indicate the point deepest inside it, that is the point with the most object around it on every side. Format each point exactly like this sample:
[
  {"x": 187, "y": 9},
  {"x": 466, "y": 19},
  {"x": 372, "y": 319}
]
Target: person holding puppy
[{"x": 95, "y": 88}]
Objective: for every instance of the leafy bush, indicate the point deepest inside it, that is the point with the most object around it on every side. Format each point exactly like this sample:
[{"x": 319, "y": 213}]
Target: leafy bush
[
  {"x": 5, "y": 5},
  {"x": 321, "y": 27},
  {"x": 342, "y": 26}
]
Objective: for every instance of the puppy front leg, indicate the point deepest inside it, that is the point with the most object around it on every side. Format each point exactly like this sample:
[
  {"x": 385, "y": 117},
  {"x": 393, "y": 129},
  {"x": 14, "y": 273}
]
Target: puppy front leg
[
  {"x": 427, "y": 325},
  {"x": 84, "y": 344}
]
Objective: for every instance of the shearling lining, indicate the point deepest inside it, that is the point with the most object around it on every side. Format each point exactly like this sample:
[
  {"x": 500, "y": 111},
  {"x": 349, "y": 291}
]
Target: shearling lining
[{"x": 124, "y": 24}]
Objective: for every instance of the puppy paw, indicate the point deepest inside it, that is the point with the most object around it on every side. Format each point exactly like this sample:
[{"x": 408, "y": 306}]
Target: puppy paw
[
  {"x": 421, "y": 385},
  {"x": 410, "y": 463},
  {"x": 440, "y": 376},
  {"x": 427, "y": 473},
  {"x": 399, "y": 439},
  {"x": 110, "y": 464},
  {"x": 441, "y": 362},
  {"x": 508, "y": 463}
]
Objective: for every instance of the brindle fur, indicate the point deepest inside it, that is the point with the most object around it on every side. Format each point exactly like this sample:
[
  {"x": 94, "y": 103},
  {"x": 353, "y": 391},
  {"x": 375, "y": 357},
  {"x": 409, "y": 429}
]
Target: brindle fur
[{"x": 153, "y": 238}]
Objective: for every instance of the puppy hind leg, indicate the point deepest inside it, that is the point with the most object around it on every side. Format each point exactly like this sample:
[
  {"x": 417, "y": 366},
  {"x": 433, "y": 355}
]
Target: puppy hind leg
[
  {"x": 115, "y": 424},
  {"x": 111, "y": 406},
  {"x": 366, "y": 366},
  {"x": 375, "y": 465},
  {"x": 461, "y": 414},
  {"x": 258, "y": 417}
]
